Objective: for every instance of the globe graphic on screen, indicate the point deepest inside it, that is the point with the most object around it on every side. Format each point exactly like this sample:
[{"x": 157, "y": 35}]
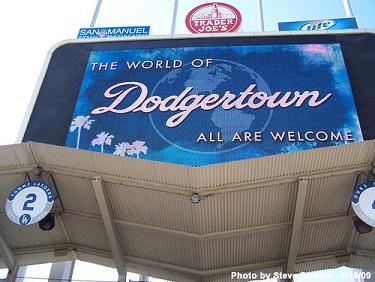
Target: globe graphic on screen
[{"x": 222, "y": 124}]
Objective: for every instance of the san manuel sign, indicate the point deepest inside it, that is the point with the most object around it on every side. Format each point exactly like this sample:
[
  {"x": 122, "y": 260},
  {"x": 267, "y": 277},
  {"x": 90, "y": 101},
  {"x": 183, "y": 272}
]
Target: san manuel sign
[{"x": 105, "y": 32}]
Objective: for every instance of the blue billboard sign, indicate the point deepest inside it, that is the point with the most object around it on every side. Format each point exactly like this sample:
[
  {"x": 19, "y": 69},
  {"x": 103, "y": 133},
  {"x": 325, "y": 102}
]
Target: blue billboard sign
[
  {"x": 105, "y": 32},
  {"x": 205, "y": 105},
  {"x": 324, "y": 24}
]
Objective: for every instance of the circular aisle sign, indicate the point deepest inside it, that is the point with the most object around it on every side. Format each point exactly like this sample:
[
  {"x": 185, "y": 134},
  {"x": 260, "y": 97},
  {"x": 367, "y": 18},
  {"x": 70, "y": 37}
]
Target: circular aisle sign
[
  {"x": 29, "y": 202},
  {"x": 213, "y": 18},
  {"x": 363, "y": 202}
]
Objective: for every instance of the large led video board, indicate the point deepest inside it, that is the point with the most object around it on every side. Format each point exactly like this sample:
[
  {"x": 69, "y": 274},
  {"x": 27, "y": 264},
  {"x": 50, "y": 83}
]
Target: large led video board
[{"x": 200, "y": 104}]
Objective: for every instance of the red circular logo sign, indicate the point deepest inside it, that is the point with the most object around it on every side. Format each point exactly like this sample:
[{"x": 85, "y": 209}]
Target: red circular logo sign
[{"x": 213, "y": 18}]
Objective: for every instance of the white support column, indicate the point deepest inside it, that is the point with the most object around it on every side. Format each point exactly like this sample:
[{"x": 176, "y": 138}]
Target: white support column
[
  {"x": 96, "y": 13},
  {"x": 297, "y": 226},
  {"x": 19, "y": 271},
  {"x": 174, "y": 17},
  {"x": 7, "y": 255},
  {"x": 12, "y": 275},
  {"x": 143, "y": 278},
  {"x": 260, "y": 16},
  {"x": 61, "y": 271},
  {"x": 107, "y": 216},
  {"x": 348, "y": 8}
]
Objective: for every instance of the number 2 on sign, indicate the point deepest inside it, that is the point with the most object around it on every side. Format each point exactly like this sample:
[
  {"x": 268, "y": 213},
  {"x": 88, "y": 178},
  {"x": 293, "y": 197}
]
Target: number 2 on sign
[{"x": 31, "y": 198}]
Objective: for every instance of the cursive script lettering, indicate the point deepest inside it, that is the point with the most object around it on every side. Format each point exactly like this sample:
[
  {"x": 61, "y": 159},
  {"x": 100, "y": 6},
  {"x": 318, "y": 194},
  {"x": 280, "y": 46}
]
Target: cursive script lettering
[{"x": 186, "y": 103}]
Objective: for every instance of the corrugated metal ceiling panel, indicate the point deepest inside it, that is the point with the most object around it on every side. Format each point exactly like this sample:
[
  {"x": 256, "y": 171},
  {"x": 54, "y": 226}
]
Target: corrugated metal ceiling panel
[
  {"x": 159, "y": 248},
  {"x": 8, "y": 183},
  {"x": 208, "y": 254},
  {"x": 140, "y": 170},
  {"x": 329, "y": 196},
  {"x": 104, "y": 164},
  {"x": 86, "y": 232},
  {"x": 150, "y": 207},
  {"x": 77, "y": 194},
  {"x": 316, "y": 265},
  {"x": 232, "y": 173},
  {"x": 18, "y": 236},
  {"x": 246, "y": 208},
  {"x": 244, "y": 249},
  {"x": 325, "y": 237},
  {"x": 15, "y": 156},
  {"x": 364, "y": 241},
  {"x": 216, "y": 213},
  {"x": 291, "y": 164},
  {"x": 363, "y": 262}
]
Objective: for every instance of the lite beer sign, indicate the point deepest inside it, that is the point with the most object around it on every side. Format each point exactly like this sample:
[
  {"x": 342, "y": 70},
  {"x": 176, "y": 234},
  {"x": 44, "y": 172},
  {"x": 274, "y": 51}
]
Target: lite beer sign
[
  {"x": 318, "y": 25},
  {"x": 323, "y": 24}
]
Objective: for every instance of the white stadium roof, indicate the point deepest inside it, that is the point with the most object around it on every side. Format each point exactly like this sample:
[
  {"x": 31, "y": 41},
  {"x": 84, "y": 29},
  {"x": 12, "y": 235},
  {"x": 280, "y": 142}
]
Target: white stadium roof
[{"x": 278, "y": 213}]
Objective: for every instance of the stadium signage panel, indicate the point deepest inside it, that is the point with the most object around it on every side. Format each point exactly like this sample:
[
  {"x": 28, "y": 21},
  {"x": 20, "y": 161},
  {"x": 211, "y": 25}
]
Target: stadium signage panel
[
  {"x": 205, "y": 105},
  {"x": 106, "y": 32},
  {"x": 213, "y": 17},
  {"x": 363, "y": 202},
  {"x": 29, "y": 203},
  {"x": 324, "y": 24}
]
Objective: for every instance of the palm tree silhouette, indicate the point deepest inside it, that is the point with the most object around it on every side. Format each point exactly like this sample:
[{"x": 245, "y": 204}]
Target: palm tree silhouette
[
  {"x": 122, "y": 148},
  {"x": 79, "y": 122},
  {"x": 101, "y": 139},
  {"x": 137, "y": 147}
]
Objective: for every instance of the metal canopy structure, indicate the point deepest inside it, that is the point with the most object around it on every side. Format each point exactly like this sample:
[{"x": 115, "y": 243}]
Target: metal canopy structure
[{"x": 278, "y": 213}]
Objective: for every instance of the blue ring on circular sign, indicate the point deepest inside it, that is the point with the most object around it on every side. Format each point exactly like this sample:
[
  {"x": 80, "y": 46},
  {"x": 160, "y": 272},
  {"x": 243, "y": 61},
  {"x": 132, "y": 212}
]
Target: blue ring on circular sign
[
  {"x": 27, "y": 219},
  {"x": 360, "y": 189},
  {"x": 356, "y": 205},
  {"x": 43, "y": 186}
]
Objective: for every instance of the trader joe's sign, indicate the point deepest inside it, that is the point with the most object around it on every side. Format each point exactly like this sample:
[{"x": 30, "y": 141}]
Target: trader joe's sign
[
  {"x": 205, "y": 105},
  {"x": 213, "y": 17}
]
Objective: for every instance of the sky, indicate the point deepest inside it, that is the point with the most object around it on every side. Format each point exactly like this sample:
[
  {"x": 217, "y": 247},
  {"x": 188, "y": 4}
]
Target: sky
[{"x": 31, "y": 28}]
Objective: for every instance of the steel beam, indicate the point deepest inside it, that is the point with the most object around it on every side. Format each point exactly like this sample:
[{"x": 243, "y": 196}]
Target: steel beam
[
  {"x": 170, "y": 188},
  {"x": 218, "y": 234},
  {"x": 107, "y": 216},
  {"x": 363, "y": 252},
  {"x": 297, "y": 226}
]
